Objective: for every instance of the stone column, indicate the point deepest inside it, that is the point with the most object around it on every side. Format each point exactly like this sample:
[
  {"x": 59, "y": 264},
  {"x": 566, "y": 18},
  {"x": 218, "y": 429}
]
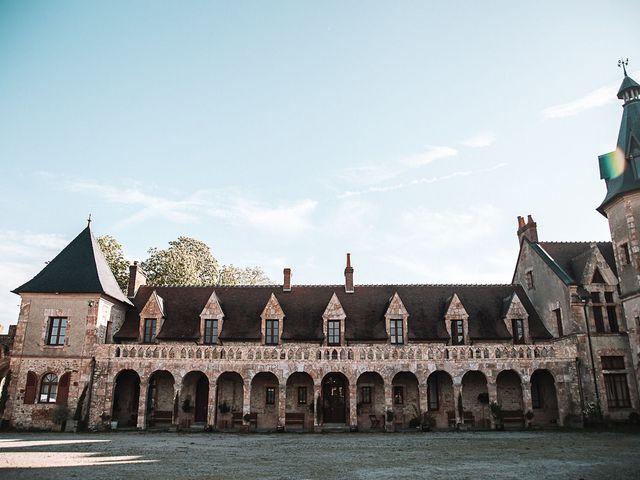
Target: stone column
[
  {"x": 353, "y": 405},
  {"x": 492, "y": 390},
  {"x": 563, "y": 402},
  {"x": 212, "y": 407},
  {"x": 457, "y": 391},
  {"x": 246, "y": 399},
  {"x": 423, "y": 388},
  {"x": 317, "y": 406},
  {"x": 175, "y": 416},
  {"x": 142, "y": 406},
  {"x": 388, "y": 405},
  {"x": 526, "y": 397},
  {"x": 282, "y": 404}
]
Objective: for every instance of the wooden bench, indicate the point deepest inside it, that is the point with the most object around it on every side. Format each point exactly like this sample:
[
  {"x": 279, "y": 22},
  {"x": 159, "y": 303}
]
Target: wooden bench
[
  {"x": 294, "y": 418},
  {"x": 467, "y": 417},
  {"x": 512, "y": 417},
  {"x": 162, "y": 416}
]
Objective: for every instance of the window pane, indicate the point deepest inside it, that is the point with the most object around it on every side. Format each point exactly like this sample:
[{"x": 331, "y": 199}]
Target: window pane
[
  {"x": 613, "y": 319},
  {"x": 598, "y": 319}
]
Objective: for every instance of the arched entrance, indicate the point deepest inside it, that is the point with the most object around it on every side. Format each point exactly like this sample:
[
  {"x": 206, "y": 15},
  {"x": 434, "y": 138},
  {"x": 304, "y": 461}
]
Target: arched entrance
[
  {"x": 126, "y": 394},
  {"x": 264, "y": 400},
  {"x": 335, "y": 390},
  {"x": 509, "y": 390},
  {"x": 229, "y": 400},
  {"x": 194, "y": 398},
  {"x": 544, "y": 398},
  {"x": 300, "y": 407},
  {"x": 370, "y": 408},
  {"x": 475, "y": 399},
  {"x": 440, "y": 400},
  {"x": 406, "y": 399},
  {"x": 161, "y": 403}
]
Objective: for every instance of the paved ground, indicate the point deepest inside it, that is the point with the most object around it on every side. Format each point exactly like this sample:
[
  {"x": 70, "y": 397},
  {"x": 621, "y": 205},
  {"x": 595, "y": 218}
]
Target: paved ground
[{"x": 485, "y": 455}]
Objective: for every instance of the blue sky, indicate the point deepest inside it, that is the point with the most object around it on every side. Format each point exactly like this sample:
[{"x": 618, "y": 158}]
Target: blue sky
[{"x": 410, "y": 134}]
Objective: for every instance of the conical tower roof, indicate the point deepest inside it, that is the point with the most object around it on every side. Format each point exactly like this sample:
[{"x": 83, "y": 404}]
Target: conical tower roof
[{"x": 79, "y": 268}]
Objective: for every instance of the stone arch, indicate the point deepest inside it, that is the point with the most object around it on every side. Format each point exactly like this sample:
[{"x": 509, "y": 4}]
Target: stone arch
[
  {"x": 161, "y": 400},
  {"x": 264, "y": 399},
  {"x": 194, "y": 399},
  {"x": 371, "y": 405},
  {"x": 300, "y": 406},
  {"x": 544, "y": 398},
  {"x": 405, "y": 399},
  {"x": 440, "y": 398},
  {"x": 475, "y": 399},
  {"x": 126, "y": 397},
  {"x": 229, "y": 400},
  {"x": 335, "y": 398},
  {"x": 510, "y": 399}
]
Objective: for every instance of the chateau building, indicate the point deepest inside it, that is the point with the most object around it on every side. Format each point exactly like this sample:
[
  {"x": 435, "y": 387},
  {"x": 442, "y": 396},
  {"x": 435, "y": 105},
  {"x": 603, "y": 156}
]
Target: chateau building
[{"x": 562, "y": 338}]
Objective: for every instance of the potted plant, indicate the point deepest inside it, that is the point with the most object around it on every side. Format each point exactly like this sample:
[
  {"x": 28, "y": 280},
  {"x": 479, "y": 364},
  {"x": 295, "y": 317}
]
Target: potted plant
[
  {"x": 528, "y": 416},
  {"x": 60, "y": 416},
  {"x": 186, "y": 405},
  {"x": 224, "y": 407},
  {"x": 496, "y": 413},
  {"x": 428, "y": 422}
]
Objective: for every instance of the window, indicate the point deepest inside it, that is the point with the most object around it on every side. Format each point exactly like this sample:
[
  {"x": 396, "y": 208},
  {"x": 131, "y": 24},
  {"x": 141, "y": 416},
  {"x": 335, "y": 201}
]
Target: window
[
  {"x": 612, "y": 312},
  {"x": 558, "y": 315},
  {"x": 211, "y": 331},
  {"x": 596, "y": 307},
  {"x": 597, "y": 277},
  {"x": 518, "y": 330},
  {"x": 617, "y": 390},
  {"x": 57, "y": 331},
  {"x": 529, "y": 278},
  {"x": 302, "y": 395},
  {"x": 49, "y": 388},
  {"x": 270, "y": 396},
  {"x": 432, "y": 393},
  {"x": 365, "y": 395},
  {"x": 612, "y": 362},
  {"x": 334, "y": 332},
  {"x": 271, "y": 336},
  {"x": 625, "y": 254},
  {"x": 457, "y": 332},
  {"x": 395, "y": 329},
  {"x": 398, "y": 395},
  {"x": 149, "y": 330}
]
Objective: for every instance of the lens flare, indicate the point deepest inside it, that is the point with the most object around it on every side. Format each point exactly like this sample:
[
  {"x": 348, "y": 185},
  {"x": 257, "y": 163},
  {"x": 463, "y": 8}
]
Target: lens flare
[{"x": 612, "y": 164}]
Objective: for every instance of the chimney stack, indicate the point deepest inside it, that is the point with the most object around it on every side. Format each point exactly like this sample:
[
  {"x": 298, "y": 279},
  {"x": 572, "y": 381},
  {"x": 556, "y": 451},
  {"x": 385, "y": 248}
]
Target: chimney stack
[
  {"x": 286, "y": 286},
  {"x": 527, "y": 230},
  {"x": 137, "y": 277},
  {"x": 348, "y": 276}
]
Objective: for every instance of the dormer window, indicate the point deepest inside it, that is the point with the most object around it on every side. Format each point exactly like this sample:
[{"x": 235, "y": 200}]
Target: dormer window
[
  {"x": 529, "y": 279},
  {"x": 518, "y": 331},
  {"x": 457, "y": 332},
  {"x": 333, "y": 332},
  {"x": 271, "y": 335},
  {"x": 210, "y": 331},
  {"x": 149, "y": 330},
  {"x": 396, "y": 331},
  {"x": 57, "y": 331}
]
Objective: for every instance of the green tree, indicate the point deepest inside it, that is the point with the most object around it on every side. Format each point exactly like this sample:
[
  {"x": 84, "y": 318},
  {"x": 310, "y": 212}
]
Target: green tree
[
  {"x": 187, "y": 261},
  {"x": 114, "y": 255},
  {"x": 232, "y": 275}
]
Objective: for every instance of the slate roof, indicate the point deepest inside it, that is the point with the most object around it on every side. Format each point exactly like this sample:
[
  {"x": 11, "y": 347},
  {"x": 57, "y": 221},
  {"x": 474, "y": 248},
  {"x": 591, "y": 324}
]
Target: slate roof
[
  {"x": 569, "y": 259},
  {"x": 79, "y": 268},
  {"x": 303, "y": 307},
  {"x": 629, "y": 143}
]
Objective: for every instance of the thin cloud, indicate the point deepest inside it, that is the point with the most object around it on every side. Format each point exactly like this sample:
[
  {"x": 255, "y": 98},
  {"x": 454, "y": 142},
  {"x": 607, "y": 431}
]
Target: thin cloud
[
  {"x": 596, "y": 98},
  {"x": 480, "y": 140}
]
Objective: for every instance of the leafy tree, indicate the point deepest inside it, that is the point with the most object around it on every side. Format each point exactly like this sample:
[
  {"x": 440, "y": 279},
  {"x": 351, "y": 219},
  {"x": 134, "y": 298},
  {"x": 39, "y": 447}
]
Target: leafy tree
[
  {"x": 114, "y": 255},
  {"x": 232, "y": 275},
  {"x": 187, "y": 261}
]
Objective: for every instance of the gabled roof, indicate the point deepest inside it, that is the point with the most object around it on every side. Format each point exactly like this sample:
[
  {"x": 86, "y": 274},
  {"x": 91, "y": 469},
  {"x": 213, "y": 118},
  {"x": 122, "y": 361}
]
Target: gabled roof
[
  {"x": 79, "y": 268},
  {"x": 304, "y": 306},
  {"x": 569, "y": 259}
]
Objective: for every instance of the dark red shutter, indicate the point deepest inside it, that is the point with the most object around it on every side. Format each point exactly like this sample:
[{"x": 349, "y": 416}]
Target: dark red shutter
[
  {"x": 30, "y": 388},
  {"x": 63, "y": 388}
]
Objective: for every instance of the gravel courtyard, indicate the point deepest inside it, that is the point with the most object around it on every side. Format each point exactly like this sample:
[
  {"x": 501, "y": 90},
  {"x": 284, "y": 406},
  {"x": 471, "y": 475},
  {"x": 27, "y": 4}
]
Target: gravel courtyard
[{"x": 483, "y": 455}]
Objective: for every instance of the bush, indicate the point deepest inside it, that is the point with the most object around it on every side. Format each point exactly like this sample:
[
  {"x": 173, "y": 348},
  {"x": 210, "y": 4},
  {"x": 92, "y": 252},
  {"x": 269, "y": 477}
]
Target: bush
[{"x": 60, "y": 414}]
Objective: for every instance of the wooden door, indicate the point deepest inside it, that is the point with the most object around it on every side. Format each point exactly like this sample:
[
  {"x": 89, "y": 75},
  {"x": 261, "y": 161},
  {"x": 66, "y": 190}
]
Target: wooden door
[
  {"x": 202, "y": 399},
  {"x": 334, "y": 402}
]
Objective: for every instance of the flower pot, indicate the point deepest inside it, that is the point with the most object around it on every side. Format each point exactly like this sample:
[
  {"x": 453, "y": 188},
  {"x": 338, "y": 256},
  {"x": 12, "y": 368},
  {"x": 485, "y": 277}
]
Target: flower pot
[{"x": 114, "y": 425}]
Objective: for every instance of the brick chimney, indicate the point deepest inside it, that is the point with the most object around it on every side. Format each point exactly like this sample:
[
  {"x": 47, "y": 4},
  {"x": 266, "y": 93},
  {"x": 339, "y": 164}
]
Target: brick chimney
[
  {"x": 286, "y": 286},
  {"x": 137, "y": 278},
  {"x": 528, "y": 229},
  {"x": 348, "y": 276}
]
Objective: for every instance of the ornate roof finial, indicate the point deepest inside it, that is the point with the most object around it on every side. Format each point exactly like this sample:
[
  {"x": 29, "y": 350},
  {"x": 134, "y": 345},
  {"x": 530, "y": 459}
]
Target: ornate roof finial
[
  {"x": 623, "y": 63},
  {"x": 89, "y": 221}
]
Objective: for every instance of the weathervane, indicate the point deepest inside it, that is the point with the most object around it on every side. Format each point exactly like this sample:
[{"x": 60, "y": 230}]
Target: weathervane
[
  {"x": 89, "y": 221},
  {"x": 623, "y": 63}
]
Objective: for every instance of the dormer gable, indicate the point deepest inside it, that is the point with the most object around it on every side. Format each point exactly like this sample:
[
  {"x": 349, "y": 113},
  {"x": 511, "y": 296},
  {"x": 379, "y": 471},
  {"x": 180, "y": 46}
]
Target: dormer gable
[
  {"x": 333, "y": 322},
  {"x": 457, "y": 318},
  {"x": 396, "y": 318},
  {"x": 152, "y": 310},
  {"x": 272, "y": 321},
  {"x": 211, "y": 319},
  {"x": 516, "y": 319},
  {"x": 597, "y": 270}
]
